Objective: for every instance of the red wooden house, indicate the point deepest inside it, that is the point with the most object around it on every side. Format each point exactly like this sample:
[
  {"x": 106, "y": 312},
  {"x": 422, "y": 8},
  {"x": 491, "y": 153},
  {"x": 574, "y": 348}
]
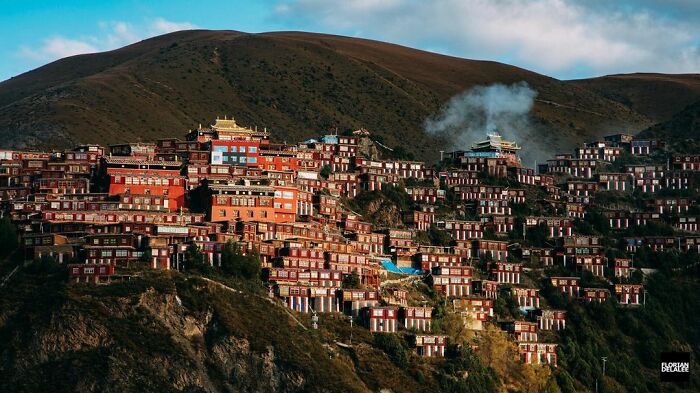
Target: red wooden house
[
  {"x": 416, "y": 318},
  {"x": 454, "y": 281},
  {"x": 380, "y": 319},
  {"x": 506, "y": 273},
  {"x": 89, "y": 273},
  {"x": 521, "y": 331},
  {"x": 599, "y": 295},
  {"x": 551, "y": 319},
  {"x": 629, "y": 294},
  {"x": 538, "y": 353},
  {"x": 430, "y": 345},
  {"x": 567, "y": 285}
]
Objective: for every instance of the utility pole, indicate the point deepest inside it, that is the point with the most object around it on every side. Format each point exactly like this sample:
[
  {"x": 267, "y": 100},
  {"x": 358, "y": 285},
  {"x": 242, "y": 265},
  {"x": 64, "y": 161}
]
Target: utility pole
[
  {"x": 350, "y": 317},
  {"x": 314, "y": 319},
  {"x": 605, "y": 359},
  {"x": 632, "y": 262}
]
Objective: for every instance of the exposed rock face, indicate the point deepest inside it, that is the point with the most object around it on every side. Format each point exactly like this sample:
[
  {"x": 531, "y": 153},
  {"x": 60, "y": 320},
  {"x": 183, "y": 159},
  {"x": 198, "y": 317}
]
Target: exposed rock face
[
  {"x": 144, "y": 341},
  {"x": 384, "y": 213}
]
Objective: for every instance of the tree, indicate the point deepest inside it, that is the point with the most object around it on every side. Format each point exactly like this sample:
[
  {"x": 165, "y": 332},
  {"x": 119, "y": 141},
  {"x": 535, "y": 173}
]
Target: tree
[
  {"x": 538, "y": 235},
  {"x": 237, "y": 264},
  {"x": 498, "y": 351},
  {"x": 538, "y": 377},
  {"x": 394, "y": 347},
  {"x": 325, "y": 171},
  {"x": 440, "y": 237},
  {"x": 506, "y": 307},
  {"x": 8, "y": 236},
  {"x": 490, "y": 234},
  {"x": 46, "y": 265},
  {"x": 252, "y": 266},
  {"x": 230, "y": 258},
  {"x": 351, "y": 281},
  {"x": 455, "y": 327},
  {"x": 194, "y": 260}
]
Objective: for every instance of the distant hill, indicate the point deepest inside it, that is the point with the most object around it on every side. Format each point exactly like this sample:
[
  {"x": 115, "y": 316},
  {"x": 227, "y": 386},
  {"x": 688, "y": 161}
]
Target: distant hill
[
  {"x": 297, "y": 84},
  {"x": 682, "y": 131},
  {"x": 656, "y": 96}
]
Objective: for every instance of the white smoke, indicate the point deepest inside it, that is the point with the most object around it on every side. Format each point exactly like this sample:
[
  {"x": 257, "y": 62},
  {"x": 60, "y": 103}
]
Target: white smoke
[{"x": 468, "y": 116}]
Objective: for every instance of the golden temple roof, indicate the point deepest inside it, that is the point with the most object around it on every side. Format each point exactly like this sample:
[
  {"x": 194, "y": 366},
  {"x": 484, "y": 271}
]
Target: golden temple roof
[{"x": 229, "y": 125}]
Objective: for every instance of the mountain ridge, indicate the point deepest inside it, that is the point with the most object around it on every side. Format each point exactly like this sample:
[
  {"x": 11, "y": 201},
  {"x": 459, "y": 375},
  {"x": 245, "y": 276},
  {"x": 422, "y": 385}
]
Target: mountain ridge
[{"x": 297, "y": 84}]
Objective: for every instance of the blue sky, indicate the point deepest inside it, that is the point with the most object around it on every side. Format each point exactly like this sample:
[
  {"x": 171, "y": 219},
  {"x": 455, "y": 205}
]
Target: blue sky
[{"x": 562, "y": 38}]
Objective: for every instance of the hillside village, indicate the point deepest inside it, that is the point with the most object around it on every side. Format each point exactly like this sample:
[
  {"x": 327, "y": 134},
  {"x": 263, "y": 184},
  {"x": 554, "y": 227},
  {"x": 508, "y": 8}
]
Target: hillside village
[{"x": 342, "y": 224}]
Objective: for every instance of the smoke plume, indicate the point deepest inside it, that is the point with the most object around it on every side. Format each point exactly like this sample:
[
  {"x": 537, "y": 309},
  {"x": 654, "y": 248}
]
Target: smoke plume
[{"x": 468, "y": 116}]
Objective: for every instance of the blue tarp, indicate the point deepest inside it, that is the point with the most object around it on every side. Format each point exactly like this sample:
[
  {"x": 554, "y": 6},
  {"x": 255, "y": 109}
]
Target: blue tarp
[{"x": 391, "y": 267}]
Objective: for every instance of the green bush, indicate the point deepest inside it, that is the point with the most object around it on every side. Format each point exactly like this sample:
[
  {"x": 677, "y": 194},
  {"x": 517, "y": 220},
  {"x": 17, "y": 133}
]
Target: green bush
[
  {"x": 237, "y": 264},
  {"x": 394, "y": 347},
  {"x": 8, "y": 237}
]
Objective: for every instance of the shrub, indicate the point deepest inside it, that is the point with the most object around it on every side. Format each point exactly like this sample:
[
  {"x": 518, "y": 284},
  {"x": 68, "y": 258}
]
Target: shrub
[
  {"x": 394, "y": 347},
  {"x": 237, "y": 264}
]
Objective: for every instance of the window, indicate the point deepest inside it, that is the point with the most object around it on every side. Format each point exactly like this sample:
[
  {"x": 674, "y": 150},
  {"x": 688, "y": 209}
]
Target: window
[
  {"x": 220, "y": 149},
  {"x": 222, "y": 212},
  {"x": 250, "y": 214},
  {"x": 122, "y": 253},
  {"x": 252, "y": 149},
  {"x": 252, "y": 160},
  {"x": 242, "y": 149}
]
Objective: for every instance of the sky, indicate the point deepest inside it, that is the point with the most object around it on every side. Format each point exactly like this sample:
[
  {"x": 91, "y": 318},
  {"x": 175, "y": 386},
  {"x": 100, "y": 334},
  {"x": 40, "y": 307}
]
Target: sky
[{"x": 566, "y": 39}]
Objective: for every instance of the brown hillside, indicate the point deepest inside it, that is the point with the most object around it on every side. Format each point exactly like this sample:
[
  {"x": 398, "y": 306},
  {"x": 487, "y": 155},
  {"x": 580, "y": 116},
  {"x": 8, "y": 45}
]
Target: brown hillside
[
  {"x": 298, "y": 84},
  {"x": 682, "y": 131},
  {"x": 656, "y": 96}
]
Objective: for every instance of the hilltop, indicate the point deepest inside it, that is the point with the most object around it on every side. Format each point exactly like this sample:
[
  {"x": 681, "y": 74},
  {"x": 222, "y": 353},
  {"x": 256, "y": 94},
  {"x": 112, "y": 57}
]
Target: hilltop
[
  {"x": 657, "y": 96},
  {"x": 682, "y": 131},
  {"x": 298, "y": 84}
]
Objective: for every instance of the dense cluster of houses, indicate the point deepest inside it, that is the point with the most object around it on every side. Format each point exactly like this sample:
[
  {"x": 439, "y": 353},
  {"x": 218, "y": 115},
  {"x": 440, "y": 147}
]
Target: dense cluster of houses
[{"x": 98, "y": 209}]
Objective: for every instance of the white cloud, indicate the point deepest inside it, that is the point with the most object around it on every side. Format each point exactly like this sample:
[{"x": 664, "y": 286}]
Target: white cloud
[
  {"x": 111, "y": 35},
  {"x": 551, "y": 36},
  {"x": 57, "y": 47},
  {"x": 162, "y": 26},
  {"x": 120, "y": 33}
]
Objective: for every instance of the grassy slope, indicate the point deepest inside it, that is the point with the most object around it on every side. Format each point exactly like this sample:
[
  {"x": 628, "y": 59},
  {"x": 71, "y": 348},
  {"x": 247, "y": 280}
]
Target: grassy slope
[
  {"x": 298, "y": 83},
  {"x": 165, "y": 331},
  {"x": 682, "y": 131},
  {"x": 657, "y": 96}
]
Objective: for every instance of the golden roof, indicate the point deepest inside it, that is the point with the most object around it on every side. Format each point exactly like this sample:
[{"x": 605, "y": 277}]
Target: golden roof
[
  {"x": 495, "y": 141},
  {"x": 229, "y": 125}
]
